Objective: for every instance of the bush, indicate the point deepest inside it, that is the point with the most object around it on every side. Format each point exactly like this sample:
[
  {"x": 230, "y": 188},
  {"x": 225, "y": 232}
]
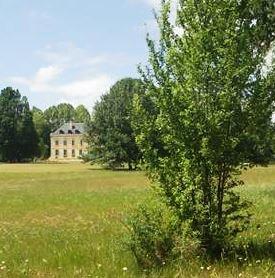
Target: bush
[{"x": 156, "y": 236}]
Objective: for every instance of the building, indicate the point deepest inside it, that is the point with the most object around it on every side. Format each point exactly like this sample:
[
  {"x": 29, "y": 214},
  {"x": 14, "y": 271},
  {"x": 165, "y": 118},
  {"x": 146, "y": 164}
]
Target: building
[{"x": 67, "y": 142}]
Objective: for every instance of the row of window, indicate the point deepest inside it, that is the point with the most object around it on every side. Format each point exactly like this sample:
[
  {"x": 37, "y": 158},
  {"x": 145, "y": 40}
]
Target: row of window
[
  {"x": 65, "y": 153},
  {"x": 65, "y": 142}
]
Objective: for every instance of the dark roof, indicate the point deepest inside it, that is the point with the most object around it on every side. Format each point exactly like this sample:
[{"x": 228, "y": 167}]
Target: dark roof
[{"x": 70, "y": 128}]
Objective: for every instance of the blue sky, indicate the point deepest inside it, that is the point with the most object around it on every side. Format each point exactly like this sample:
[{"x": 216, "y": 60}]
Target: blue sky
[{"x": 71, "y": 50}]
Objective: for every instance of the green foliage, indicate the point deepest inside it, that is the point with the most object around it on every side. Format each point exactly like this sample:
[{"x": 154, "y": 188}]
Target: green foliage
[
  {"x": 82, "y": 115},
  {"x": 151, "y": 235},
  {"x": 43, "y": 130},
  {"x": 207, "y": 111},
  {"x": 65, "y": 112},
  {"x": 110, "y": 135},
  {"x": 156, "y": 235},
  {"x": 18, "y": 138}
]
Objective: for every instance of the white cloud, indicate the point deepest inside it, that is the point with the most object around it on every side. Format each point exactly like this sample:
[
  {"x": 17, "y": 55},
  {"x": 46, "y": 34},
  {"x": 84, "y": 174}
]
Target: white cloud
[
  {"x": 71, "y": 74},
  {"x": 77, "y": 91},
  {"x": 48, "y": 73}
]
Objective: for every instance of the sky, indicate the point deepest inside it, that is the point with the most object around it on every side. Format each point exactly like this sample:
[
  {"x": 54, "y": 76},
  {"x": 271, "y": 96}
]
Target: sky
[{"x": 72, "y": 50}]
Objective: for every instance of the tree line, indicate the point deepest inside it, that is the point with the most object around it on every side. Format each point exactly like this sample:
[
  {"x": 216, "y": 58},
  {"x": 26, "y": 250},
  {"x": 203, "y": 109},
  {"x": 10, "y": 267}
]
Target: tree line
[
  {"x": 25, "y": 132},
  {"x": 112, "y": 127}
]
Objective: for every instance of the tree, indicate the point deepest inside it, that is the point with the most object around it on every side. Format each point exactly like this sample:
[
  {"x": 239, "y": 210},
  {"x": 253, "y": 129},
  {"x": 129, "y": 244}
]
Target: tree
[
  {"x": 82, "y": 115},
  {"x": 60, "y": 114},
  {"x": 111, "y": 137},
  {"x": 66, "y": 112},
  {"x": 212, "y": 105},
  {"x": 43, "y": 131},
  {"x": 51, "y": 116},
  {"x": 18, "y": 138}
]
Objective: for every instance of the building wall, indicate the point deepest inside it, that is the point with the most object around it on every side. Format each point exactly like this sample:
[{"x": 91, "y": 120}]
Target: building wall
[{"x": 67, "y": 147}]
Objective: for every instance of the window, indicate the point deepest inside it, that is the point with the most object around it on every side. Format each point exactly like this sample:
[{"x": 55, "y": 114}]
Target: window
[
  {"x": 65, "y": 153},
  {"x": 72, "y": 142},
  {"x": 77, "y": 131},
  {"x": 56, "y": 142},
  {"x": 61, "y": 132},
  {"x": 65, "y": 142},
  {"x": 56, "y": 153},
  {"x": 73, "y": 153},
  {"x": 70, "y": 132},
  {"x": 73, "y": 127},
  {"x": 81, "y": 142},
  {"x": 80, "y": 152}
]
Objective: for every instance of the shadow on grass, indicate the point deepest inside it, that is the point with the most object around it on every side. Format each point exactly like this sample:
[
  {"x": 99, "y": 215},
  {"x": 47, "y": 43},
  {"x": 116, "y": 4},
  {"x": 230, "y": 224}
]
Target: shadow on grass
[{"x": 115, "y": 170}]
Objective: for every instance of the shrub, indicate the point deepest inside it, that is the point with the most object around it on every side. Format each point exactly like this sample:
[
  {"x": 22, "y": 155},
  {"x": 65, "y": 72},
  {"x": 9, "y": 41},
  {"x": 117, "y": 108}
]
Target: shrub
[{"x": 156, "y": 236}]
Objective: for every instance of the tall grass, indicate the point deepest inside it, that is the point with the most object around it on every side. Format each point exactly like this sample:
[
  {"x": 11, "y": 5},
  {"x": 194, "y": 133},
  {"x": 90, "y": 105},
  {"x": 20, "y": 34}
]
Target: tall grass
[{"x": 66, "y": 221}]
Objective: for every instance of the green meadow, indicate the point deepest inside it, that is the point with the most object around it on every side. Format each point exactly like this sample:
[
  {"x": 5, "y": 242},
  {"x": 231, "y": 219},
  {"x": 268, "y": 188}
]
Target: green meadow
[{"x": 66, "y": 220}]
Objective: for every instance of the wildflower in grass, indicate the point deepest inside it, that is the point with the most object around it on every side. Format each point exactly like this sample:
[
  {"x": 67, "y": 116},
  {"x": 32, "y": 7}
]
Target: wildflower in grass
[
  {"x": 209, "y": 267},
  {"x": 202, "y": 267},
  {"x": 44, "y": 261},
  {"x": 240, "y": 274},
  {"x": 124, "y": 268},
  {"x": 99, "y": 265},
  {"x": 258, "y": 261}
]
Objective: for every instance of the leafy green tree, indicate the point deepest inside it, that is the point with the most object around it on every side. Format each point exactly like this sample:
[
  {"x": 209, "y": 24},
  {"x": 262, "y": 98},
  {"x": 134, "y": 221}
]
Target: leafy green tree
[
  {"x": 18, "y": 138},
  {"x": 212, "y": 105},
  {"x": 82, "y": 115},
  {"x": 66, "y": 112},
  {"x": 43, "y": 131},
  {"x": 60, "y": 114},
  {"x": 51, "y": 116},
  {"x": 111, "y": 137}
]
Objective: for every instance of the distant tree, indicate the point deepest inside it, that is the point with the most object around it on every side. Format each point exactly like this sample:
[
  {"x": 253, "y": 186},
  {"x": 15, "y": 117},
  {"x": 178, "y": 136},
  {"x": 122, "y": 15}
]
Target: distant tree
[
  {"x": 52, "y": 117},
  {"x": 58, "y": 115},
  {"x": 66, "y": 112},
  {"x": 43, "y": 130},
  {"x": 110, "y": 135},
  {"x": 18, "y": 138},
  {"x": 82, "y": 115},
  {"x": 212, "y": 106}
]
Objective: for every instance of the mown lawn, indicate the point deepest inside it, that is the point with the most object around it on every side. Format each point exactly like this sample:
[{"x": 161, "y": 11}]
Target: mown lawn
[{"x": 67, "y": 221}]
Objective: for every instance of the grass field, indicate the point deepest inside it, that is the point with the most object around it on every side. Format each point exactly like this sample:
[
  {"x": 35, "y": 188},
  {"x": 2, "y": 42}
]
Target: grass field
[{"x": 66, "y": 221}]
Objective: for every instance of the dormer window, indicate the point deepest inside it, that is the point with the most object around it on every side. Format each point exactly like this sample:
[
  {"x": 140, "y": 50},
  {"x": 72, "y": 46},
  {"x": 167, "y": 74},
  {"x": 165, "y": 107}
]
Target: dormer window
[
  {"x": 61, "y": 131},
  {"x": 77, "y": 131},
  {"x": 70, "y": 131},
  {"x": 73, "y": 127}
]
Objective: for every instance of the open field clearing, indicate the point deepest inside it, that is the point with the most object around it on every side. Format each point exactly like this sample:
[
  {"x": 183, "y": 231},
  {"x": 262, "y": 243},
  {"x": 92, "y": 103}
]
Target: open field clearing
[{"x": 66, "y": 221}]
